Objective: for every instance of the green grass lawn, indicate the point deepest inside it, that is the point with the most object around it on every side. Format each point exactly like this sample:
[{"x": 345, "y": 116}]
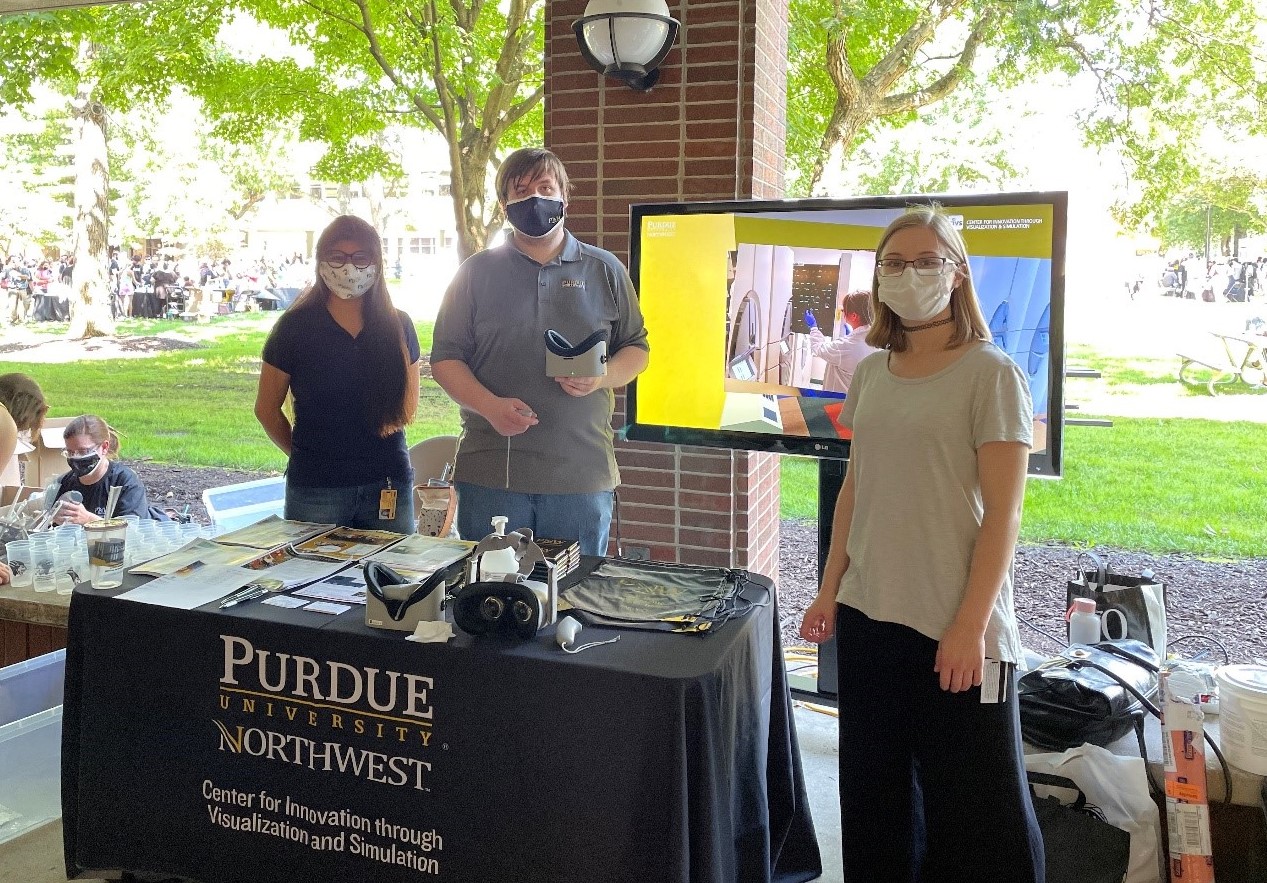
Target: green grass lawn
[
  {"x": 194, "y": 406},
  {"x": 1154, "y": 485},
  {"x": 1196, "y": 486}
]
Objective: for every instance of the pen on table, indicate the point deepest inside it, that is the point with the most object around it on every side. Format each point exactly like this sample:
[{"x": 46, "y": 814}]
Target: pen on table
[{"x": 241, "y": 595}]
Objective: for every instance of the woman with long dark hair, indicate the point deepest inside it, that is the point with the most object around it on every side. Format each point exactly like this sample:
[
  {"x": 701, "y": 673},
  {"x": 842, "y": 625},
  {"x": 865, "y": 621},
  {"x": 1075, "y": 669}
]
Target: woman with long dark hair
[{"x": 349, "y": 359}]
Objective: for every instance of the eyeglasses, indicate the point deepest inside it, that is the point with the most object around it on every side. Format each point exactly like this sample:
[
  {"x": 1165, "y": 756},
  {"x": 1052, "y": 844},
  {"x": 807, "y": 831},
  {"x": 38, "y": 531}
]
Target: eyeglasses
[
  {"x": 923, "y": 266},
  {"x": 76, "y": 455},
  {"x": 361, "y": 260}
]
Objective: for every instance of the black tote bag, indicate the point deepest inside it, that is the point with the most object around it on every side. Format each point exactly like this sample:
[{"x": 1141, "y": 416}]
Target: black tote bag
[
  {"x": 1131, "y": 607},
  {"x": 1078, "y": 844}
]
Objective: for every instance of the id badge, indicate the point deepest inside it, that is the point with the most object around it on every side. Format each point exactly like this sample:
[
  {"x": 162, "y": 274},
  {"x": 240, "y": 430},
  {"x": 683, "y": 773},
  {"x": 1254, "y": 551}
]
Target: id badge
[{"x": 387, "y": 503}]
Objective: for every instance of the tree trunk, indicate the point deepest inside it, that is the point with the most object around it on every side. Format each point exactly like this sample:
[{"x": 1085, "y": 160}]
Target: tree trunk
[
  {"x": 847, "y": 122},
  {"x": 90, "y": 305}
]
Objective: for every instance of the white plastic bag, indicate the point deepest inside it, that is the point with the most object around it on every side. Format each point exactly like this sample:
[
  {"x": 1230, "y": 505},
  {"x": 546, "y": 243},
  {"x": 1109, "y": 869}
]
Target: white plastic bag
[{"x": 1119, "y": 787}]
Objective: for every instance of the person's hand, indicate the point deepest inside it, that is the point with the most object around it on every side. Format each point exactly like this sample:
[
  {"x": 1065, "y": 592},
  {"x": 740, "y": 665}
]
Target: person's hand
[
  {"x": 960, "y": 657},
  {"x": 511, "y": 417},
  {"x": 578, "y": 387},
  {"x": 819, "y": 622},
  {"x": 74, "y": 513},
  {"x": 6, "y": 575},
  {"x": 810, "y": 320}
]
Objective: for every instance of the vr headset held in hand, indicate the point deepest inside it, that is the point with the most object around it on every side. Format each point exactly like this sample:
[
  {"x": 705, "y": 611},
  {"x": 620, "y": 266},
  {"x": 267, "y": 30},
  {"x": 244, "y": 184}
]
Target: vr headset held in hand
[{"x": 585, "y": 359}]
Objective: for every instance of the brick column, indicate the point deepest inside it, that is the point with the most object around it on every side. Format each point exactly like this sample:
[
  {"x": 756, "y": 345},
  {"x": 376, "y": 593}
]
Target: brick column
[{"x": 712, "y": 128}]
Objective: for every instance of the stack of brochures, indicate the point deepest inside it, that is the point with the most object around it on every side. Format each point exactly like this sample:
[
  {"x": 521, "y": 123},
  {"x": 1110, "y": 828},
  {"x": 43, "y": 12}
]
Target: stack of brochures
[
  {"x": 565, "y": 554},
  {"x": 418, "y": 556}
]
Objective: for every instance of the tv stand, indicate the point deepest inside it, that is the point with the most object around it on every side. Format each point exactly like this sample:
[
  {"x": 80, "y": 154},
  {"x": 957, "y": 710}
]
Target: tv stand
[{"x": 831, "y": 478}]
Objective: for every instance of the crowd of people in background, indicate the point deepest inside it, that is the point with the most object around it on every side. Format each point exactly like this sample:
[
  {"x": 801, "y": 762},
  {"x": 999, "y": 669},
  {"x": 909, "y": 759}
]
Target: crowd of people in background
[
  {"x": 145, "y": 286},
  {"x": 1228, "y": 279},
  {"x": 25, "y": 282}
]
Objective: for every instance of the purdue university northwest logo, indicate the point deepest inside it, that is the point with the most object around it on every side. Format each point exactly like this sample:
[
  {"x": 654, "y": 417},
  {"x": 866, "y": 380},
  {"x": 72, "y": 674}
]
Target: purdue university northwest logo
[{"x": 326, "y": 715}]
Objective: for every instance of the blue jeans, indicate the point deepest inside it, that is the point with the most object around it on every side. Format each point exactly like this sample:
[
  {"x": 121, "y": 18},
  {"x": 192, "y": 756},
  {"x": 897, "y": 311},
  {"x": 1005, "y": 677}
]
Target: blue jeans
[
  {"x": 355, "y": 506},
  {"x": 583, "y": 517}
]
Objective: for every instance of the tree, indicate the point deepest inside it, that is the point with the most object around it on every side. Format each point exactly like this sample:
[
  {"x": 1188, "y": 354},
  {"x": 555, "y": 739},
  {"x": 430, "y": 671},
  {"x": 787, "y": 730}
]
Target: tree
[
  {"x": 103, "y": 60},
  {"x": 471, "y": 71},
  {"x": 955, "y": 145},
  {"x": 36, "y": 179},
  {"x": 1224, "y": 207},
  {"x": 857, "y": 65}
]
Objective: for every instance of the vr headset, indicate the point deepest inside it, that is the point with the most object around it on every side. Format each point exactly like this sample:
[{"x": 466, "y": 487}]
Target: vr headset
[
  {"x": 507, "y": 605},
  {"x": 392, "y": 602},
  {"x": 586, "y": 359}
]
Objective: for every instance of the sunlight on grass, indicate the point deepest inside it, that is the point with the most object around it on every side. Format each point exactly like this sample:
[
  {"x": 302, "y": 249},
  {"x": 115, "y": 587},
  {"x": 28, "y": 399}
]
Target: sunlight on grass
[
  {"x": 1161, "y": 486},
  {"x": 1157, "y": 485}
]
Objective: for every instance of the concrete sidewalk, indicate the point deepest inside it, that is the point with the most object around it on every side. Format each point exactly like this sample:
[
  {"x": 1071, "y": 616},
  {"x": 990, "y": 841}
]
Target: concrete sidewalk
[{"x": 36, "y": 857}]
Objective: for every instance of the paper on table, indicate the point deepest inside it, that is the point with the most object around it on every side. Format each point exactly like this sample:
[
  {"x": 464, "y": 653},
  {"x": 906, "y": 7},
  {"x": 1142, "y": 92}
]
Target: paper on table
[
  {"x": 193, "y": 588},
  {"x": 284, "y": 601},
  {"x": 271, "y": 532},
  {"x": 347, "y": 587},
  {"x": 423, "y": 555},
  {"x": 327, "y": 607},
  {"x": 349, "y": 543},
  {"x": 195, "y": 550},
  {"x": 293, "y": 571}
]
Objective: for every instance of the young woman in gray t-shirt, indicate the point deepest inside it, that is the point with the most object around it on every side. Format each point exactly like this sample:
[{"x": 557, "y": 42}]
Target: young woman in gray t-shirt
[{"x": 918, "y": 581}]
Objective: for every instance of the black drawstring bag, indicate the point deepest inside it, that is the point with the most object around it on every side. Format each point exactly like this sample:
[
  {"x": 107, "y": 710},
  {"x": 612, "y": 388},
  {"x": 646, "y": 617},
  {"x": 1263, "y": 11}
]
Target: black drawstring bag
[
  {"x": 1075, "y": 697},
  {"x": 1078, "y": 844}
]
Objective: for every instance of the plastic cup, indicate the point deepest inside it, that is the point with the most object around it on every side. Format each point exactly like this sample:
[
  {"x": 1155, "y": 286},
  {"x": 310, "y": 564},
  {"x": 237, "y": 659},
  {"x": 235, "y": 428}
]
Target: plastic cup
[
  {"x": 106, "y": 552},
  {"x": 61, "y": 570},
  {"x": 43, "y": 562},
  {"x": 19, "y": 552}
]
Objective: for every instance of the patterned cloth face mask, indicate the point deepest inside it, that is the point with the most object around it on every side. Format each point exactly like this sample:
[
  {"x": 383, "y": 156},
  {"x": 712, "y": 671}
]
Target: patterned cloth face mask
[{"x": 347, "y": 281}]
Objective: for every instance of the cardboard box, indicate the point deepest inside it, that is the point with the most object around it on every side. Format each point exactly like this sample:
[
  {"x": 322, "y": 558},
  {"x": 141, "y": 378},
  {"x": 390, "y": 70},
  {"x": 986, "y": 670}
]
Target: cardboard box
[{"x": 46, "y": 462}]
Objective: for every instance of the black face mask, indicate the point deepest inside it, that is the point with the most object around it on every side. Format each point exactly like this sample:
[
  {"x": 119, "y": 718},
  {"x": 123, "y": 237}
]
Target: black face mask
[
  {"x": 81, "y": 466},
  {"x": 536, "y": 216}
]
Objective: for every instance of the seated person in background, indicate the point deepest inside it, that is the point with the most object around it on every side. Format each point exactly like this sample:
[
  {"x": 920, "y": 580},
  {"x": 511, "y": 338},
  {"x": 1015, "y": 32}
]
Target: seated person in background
[
  {"x": 89, "y": 440},
  {"x": 842, "y": 354}
]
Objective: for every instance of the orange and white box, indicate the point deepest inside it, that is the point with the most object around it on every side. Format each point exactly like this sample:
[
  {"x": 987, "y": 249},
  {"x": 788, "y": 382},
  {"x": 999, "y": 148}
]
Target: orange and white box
[{"x": 1187, "y": 803}]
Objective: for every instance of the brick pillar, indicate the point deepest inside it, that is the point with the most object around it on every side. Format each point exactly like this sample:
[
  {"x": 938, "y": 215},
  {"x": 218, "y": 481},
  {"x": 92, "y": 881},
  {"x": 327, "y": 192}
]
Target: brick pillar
[{"x": 712, "y": 128}]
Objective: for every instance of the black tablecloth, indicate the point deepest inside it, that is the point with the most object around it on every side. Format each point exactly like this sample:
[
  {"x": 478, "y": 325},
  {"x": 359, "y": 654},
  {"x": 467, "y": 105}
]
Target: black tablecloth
[{"x": 659, "y": 758}]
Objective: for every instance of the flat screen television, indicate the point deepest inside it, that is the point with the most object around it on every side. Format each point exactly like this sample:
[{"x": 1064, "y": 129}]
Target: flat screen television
[{"x": 725, "y": 288}]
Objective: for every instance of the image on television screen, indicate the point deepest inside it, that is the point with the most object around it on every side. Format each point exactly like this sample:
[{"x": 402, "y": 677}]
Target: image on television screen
[{"x": 733, "y": 294}]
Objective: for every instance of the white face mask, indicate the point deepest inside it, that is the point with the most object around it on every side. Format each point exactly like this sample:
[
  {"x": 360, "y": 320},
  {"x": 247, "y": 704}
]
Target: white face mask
[
  {"x": 916, "y": 298},
  {"x": 347, "y": 281}
]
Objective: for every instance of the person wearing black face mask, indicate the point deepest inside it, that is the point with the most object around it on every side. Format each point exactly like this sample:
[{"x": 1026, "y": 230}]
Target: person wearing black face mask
[
  {"x": 89, "y": 441},
  {"x": 535, "y": 448}
]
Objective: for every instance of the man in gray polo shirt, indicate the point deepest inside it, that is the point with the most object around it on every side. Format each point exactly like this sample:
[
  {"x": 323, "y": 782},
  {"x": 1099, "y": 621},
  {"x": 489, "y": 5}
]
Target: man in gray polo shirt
[{"x": 534, "y": 448}]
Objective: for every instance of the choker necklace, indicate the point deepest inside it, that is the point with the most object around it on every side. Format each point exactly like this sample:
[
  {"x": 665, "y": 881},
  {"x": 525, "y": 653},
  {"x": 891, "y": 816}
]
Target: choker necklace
[{"x": 945, "y": 321}]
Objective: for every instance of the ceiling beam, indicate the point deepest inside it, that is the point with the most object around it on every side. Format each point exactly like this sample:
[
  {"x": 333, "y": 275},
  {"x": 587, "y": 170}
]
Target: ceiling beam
[{"x": 8, "y": 7}]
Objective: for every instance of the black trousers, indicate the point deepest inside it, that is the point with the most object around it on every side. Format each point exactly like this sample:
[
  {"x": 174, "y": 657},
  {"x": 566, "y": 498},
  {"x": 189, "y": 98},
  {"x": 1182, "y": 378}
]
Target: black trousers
[{"x": 932, "y": 783}]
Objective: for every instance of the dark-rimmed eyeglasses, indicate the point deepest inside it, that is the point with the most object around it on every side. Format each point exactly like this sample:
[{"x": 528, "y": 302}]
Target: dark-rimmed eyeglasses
[
  {"x": 361, "y": 260},
  {"x": 923, "y": 266}
]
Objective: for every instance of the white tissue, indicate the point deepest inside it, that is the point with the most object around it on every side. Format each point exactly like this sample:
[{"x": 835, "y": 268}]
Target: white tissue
[{"x": 428, "y": 631}]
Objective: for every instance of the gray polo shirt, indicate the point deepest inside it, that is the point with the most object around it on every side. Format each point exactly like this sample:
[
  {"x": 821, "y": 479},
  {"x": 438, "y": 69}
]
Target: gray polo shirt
[
  {"x": 917, "y": 493},
  {"x": 494, "y": 318}
]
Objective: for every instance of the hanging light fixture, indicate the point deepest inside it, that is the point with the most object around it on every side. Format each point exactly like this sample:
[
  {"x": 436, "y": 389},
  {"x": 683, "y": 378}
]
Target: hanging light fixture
[{"x": 626, "y": 39}]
